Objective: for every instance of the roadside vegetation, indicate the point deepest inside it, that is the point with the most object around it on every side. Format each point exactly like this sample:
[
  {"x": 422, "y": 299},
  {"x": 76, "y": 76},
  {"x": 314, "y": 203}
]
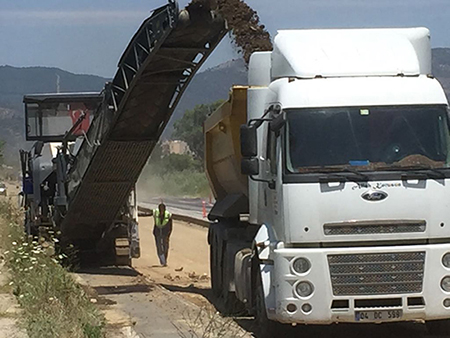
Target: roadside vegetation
[
  {"x": 169, "y": 174},
  {"x": 53, "y": 304},
  {"x": 188, "y": 182},
  {"x": 207, "y": 323}
]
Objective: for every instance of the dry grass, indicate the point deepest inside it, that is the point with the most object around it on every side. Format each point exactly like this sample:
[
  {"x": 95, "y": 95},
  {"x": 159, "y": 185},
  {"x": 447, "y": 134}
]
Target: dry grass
[
  {"x": 54, "y": 304},
  {"x": 208, "y": 323}
]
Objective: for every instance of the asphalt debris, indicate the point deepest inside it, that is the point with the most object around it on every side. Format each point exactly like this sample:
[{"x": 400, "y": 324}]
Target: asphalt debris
[{"x": 248, "y": 33}]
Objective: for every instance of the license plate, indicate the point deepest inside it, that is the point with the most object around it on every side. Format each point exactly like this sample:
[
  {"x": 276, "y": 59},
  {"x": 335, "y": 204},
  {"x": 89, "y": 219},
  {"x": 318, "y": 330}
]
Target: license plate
[{"x": 378, "y": 316}]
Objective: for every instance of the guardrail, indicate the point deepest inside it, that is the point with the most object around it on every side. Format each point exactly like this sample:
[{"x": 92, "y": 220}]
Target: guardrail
[{"x": 145, "y": 212}]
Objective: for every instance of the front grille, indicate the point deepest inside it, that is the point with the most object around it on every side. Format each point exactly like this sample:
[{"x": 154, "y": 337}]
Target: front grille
[
  {"x": 376, "y": 274},
  {"x": 369, "y": 227}
]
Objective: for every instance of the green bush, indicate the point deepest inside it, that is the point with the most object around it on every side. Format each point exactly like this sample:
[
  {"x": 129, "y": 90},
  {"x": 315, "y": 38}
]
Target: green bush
[
  {"x": 174, "y": 175},
  {"x": 185, "y": 183},
  {"x": 174, "y": 163}
]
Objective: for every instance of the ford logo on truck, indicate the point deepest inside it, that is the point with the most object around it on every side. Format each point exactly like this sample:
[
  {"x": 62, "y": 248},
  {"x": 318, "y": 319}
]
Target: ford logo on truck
[{"x": 374, "y": 196}]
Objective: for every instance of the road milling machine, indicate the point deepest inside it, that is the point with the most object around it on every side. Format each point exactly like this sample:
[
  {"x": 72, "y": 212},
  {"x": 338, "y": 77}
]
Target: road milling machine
[{"x": 90, "y": 148}]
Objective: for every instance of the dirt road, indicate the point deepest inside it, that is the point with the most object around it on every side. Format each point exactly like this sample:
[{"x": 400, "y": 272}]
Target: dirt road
[
  {"x": 188, "y": 264},
  {"x": 156, "y": 299},
  {"x": 189, "y": 250}
]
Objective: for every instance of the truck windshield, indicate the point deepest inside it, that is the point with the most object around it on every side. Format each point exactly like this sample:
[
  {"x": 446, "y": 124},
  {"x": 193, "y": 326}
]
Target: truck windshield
[{"x": 367, "y": 138}]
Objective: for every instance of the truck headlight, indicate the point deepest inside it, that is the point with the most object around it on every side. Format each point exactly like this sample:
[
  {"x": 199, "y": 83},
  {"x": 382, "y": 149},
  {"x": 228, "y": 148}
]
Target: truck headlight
[
  {"x": 445, "y": 283},
  {"x": 301, "y": 265},
  {"x": 305, "y": 289},
  {"x": 446, "y": 260}
]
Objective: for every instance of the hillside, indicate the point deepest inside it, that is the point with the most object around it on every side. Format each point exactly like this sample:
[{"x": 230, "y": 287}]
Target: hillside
[
  {"x": 15, "y": 82},
  {"x": 209, "y": 86},
  {"x": 206, "y": 87}
]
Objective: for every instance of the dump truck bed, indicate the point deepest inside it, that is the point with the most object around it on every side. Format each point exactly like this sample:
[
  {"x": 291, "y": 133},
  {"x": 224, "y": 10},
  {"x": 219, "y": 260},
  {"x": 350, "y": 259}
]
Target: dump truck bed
[{"x": 223, "y": 155}]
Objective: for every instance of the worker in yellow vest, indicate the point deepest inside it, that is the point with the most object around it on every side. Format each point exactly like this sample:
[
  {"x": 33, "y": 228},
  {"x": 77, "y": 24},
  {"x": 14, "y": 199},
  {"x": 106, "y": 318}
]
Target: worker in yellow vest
[{"x": 162, "y": 230}]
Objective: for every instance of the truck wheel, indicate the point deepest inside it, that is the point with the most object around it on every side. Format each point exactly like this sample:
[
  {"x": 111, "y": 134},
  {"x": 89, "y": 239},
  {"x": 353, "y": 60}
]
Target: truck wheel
[
  {"x": 266, "y": 328},
  {"x": 438, "y": 327},
  {"x": 233, "y": 306}
]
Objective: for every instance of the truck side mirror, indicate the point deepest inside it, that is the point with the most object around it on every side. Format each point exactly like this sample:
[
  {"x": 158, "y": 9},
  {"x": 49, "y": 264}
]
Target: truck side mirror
[
  {"x": 250, "y": 166},
  {"x": 278, "y": 123},
  {"x": 249, "y": 143}
]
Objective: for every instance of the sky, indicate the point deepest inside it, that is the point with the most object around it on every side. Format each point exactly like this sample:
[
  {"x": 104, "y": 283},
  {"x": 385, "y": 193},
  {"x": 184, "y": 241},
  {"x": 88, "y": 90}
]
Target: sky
[{"x": 88, "y": 37}]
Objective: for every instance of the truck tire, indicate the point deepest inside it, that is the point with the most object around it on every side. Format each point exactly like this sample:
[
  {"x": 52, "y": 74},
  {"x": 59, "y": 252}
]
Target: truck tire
[
  {"x": 266, "y": 328},
  {"x": 222, "y": 254},
  {"x": 439, "y": 328},
  {"x": 233, "y": 306}
]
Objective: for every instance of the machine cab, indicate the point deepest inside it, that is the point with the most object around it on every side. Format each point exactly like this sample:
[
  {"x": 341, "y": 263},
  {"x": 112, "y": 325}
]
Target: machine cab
[{"x": 58, "y": 117}]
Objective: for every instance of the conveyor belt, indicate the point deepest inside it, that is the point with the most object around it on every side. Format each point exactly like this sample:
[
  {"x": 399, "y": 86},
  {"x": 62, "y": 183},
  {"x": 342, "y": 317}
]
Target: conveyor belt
[{"x": 153, "y": 73}]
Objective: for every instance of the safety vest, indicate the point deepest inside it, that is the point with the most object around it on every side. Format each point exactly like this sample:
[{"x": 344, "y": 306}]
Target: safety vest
[{"x": 165, "y": 220}]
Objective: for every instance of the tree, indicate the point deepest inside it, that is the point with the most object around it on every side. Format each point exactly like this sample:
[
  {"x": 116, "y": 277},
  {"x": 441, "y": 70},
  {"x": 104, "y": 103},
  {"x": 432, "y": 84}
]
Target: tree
[
  {"x": 179, "y": 162},
  {"x": 156, "y": 154},
  {"x": 190, "y": 127}
]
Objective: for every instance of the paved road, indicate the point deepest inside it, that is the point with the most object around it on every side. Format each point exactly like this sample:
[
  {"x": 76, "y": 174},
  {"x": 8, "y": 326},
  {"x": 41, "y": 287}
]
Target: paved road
[{"x": 192, "y": 207}]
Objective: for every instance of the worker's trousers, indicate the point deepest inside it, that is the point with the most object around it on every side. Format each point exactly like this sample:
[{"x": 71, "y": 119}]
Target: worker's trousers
[{"x": 162, "y": 236}]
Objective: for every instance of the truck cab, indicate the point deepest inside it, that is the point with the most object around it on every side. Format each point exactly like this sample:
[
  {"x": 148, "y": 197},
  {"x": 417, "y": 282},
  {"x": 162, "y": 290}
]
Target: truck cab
[{"x": 346, "y": 148}]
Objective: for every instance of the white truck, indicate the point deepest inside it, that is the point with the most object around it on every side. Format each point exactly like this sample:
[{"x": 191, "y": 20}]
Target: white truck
[{"x": 345, "y": 216}]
